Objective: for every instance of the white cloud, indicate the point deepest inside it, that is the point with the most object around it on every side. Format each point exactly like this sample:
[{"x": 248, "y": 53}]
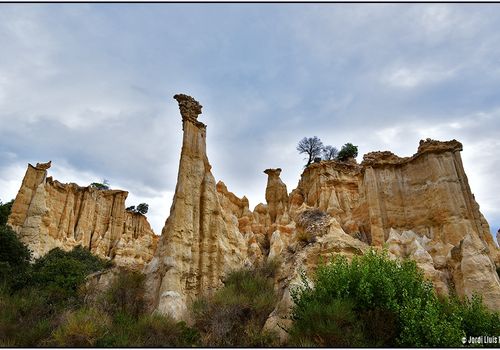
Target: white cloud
[{"x": 406, "y": 77}]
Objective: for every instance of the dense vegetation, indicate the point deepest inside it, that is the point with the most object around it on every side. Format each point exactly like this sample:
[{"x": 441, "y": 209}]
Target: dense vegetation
[
  {"x": 374, "y": 301},
  {"x": 50, "y": 303},
  {"x": 5, "y": 211}
]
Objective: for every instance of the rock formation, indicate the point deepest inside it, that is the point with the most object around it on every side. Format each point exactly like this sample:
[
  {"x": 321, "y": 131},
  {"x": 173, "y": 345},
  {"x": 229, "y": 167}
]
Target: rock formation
[
  {"x": 419, "y": 207},
  {"x": 276, "y": 195},
  {"x": 197, "y": 244},
  {"x": 48, "y": 214}
]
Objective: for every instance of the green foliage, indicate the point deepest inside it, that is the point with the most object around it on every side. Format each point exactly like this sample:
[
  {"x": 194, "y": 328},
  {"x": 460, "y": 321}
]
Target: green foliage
[
  {"x": 25, "y": 318},
  {"x": 347, "y": 151},
  {"x": 60, "y": 273},
  {"x": 131, "y": 325},
  {"x": 373, "y": 287},
  {"x": 5, "y": 212},
  {"x": 333, "y": 324},
  {"x": 235, "y": 314},
  {"x": 14, "y": 259},
  {"x": 81, "y": 328},
  {"x": 476, "y": 318},
  {"x": 126, "y": 295},
  {"x": 100, "y": 186},
  {"x": 13, "y": 253},
  {"x": 142, "y": 208},
  {"x": 162, "y": 331}
]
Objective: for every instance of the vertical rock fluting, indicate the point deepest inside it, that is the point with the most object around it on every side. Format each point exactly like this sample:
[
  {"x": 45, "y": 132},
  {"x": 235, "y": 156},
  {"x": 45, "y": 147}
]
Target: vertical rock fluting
[
  {"x": 47, "y": 214},
  {"x": 427, "y": 193},
  {"x": 197, "y": 245}
]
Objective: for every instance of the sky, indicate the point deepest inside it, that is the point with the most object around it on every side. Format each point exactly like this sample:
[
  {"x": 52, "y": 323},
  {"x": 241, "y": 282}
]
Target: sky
[{"x": 90, "y": 87}]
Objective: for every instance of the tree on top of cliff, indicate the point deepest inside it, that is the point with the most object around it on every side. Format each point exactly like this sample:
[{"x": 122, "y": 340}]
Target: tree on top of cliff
[
  {"x": 348, "y": 151},
  {"x": 312, "y": 146},
  {"x": 101, "y": 186},
  {"x": 141, "y": 208},
  {"x": 330, "y": 152}
]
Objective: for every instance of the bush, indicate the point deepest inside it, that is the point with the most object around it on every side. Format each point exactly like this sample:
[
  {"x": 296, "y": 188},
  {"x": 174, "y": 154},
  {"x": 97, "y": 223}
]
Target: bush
[
  {"x": 476, "y": 318},
  {"x": 81, "y": 328},
  {"x": 374, "y": 287},
  {"x": 25, "y": 318},
  {"x": 14, "y": 259},
  {"x": 5, "y": 212},
  {"x": 60, "y": 273},
  {"x": 143, "y": 208},
  {"x": 347, "y": 151},
  {"x": 126, "y": 294},
  {"x": 235, "y": 314},
  {"x": 100, "y": 186},
  {"x": 162, "y": 331}
]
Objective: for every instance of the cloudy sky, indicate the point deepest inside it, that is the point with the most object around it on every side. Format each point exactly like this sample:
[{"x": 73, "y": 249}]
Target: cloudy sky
[{"x": 90, "y": 86}]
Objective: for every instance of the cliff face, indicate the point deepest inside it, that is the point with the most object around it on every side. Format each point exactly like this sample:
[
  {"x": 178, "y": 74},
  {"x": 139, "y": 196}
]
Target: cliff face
[
  {"x": 198, "y": 243},
  {"x": 48, "y": 214},
  {"x": 427, "y": 193}
]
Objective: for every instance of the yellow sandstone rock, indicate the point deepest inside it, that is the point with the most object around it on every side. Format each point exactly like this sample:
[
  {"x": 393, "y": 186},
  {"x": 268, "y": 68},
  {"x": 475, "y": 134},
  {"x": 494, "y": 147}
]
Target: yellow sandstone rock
[
  {"x": 197, "y": 246},
  {"x": 47, "y": 214}
]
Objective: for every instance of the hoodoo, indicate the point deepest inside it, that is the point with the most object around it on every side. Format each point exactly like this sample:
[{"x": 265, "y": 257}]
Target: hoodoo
[{"x": 196, "y": 246}]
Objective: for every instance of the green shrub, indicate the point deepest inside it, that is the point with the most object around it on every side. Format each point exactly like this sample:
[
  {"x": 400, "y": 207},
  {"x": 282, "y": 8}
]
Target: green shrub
[
  {"x": 81, "y": 328},
  {"x": 104, "y": 185},
  {"x": 14, "y": 259},
  {"x": 25, "y": 318},
  {"x": 347, "y": 151},
  {"x": 162, "y": 331},
  {"x": 5, "y": 212},
  {"x": 126, "y": 294},
  {"x": 476, "y": 318},
  {"x": 372, "y": 287},
  {"x": 333, "y": 324},
  {"x": 60, "y": 273},
  {"x": 235, "y": 314}
]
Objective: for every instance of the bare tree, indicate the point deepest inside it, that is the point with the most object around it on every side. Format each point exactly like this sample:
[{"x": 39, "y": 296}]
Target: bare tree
[
  {"x": 330, "y": 152},
  {"x": 312, "y": 146}
]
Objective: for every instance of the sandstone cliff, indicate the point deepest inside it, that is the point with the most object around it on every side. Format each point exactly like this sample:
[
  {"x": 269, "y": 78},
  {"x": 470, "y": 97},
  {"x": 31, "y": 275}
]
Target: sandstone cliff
[
  {"x": 198, "y": 242},
  {"x": 48, "y": 214}
]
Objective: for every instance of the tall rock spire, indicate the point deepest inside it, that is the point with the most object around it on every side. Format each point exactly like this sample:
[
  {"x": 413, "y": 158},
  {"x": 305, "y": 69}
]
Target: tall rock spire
[{"x": 197, "y": 246}]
